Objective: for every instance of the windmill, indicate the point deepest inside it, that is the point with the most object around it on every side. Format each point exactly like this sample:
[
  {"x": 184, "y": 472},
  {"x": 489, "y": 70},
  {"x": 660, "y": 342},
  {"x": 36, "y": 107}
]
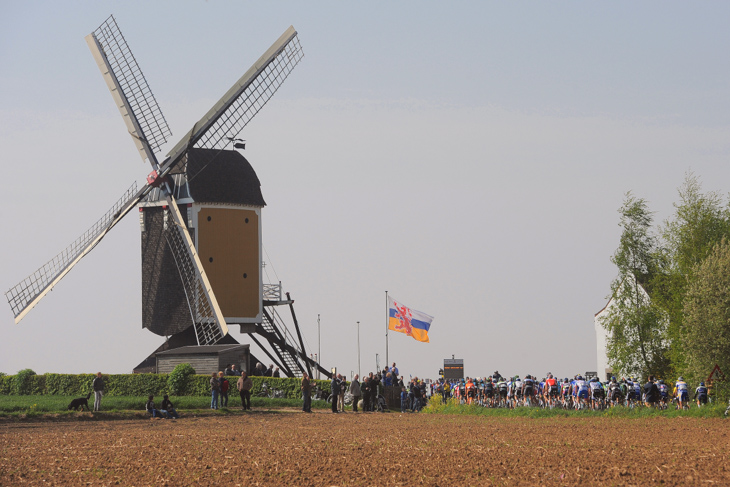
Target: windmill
[{"x": 195, "y": 200}]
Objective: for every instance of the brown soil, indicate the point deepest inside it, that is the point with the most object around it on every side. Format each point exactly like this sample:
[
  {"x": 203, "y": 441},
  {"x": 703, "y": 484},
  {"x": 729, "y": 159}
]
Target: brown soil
[{"x": 289, "y": 448}]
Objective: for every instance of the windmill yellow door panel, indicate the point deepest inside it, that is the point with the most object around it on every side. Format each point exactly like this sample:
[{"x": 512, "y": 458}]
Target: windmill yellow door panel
[{"x": 228, "y": 245}]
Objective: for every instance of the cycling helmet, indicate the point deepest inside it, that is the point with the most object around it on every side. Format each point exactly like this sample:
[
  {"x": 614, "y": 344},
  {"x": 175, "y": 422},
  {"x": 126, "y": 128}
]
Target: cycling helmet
[
  {"x": 661, "y": 381},
  {"x": 681, "y": 378},
  {"x": 579, "y": 378},
  {"x": 595, "y": 379},
  {"x": 702, "y": 384}
]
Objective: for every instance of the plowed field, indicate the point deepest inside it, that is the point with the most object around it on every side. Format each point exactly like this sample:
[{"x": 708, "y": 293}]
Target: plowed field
[{"x": 293, "y": 448}]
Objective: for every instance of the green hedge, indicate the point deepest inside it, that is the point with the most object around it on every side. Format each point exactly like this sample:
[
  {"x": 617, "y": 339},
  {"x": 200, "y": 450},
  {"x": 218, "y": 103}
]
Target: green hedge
[{"x": 139, "y": 385}]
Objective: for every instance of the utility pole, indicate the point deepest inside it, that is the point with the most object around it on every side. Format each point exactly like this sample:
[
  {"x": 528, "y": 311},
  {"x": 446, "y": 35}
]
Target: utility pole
[{"x": 358, "y": 349}]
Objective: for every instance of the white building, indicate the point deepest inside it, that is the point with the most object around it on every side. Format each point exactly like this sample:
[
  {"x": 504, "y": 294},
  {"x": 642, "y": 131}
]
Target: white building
[{"x": 602, "y": 367}]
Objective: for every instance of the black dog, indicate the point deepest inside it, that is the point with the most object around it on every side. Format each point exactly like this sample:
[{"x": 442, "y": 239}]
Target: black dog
[{"x": 81, "y": 402}]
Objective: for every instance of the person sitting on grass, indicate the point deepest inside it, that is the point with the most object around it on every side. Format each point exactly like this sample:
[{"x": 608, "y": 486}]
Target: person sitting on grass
[
  {"x": 156, "y": 413},
  {"x": 168, "y": 408}
]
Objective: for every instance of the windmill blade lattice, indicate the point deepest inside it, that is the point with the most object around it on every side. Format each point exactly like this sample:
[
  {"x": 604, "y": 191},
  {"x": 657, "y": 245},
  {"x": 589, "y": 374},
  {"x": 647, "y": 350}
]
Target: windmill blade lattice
[
  {"x": 253, "y": 97},
  {"x": 24, "y": 295},
  {"x": 133, "y": 86},
  {"x": 208, "y": 328},
  {"x": 245, "y": 98}
]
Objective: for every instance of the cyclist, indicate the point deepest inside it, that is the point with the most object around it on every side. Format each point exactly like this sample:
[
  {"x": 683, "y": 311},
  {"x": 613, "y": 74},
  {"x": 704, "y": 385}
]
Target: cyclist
[
  {"x": 663, "y": 394},
  {"x": 565, "y": 391},
  {"x": 528, "y": 387},
  {"x": 681, "y": 392},
  {"x": 701, "y": 394},
  {"x": 581, "y": 392},
  {"x": 517, "y": 390},
  {"x": 615, "y": 395},
  {"x": 471, "y": 391},
  {"x": 503, "y": 391},
  {"x": 489, "y": 392},
  {"x": 551, "y": 390},
  {"x": 597, "y": 392}
]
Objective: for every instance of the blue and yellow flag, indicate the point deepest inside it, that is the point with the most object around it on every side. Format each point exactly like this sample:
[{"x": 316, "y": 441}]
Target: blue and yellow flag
[{"x": 409, "y": 321}]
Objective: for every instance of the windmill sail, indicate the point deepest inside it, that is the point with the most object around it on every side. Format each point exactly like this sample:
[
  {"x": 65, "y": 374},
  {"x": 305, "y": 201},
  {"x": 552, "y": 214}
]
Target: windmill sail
[
  {"x": 129, "y": 88},
  {"x": 28, "y": 292},
  {"x": 210, "y": 325},
  {"x": 148, "y": 128},
  {"x": 245, "y": 98}
]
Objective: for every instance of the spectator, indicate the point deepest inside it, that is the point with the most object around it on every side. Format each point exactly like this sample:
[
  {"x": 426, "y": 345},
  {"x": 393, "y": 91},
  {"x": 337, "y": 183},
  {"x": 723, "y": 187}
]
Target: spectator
[
  {"x": 388, "y": 379},
  {"x": 214, "y": 390},
  {"x": 244, "y": 385},
  {"x": 394, "y": 370},
  {"x": 276, "y": 373},
  {"x": 334, "y": 391},
  {"x": 400, "y": 382},
  {"x": 168, "y": 408},
  {"x": 270, "y": 371},
  {"x": 224, "y": 386},
  {"x": 403, "y": 399},
  {"x": 356, "y": 392},
  {"x": 150, "y": 407},
  {"x": 259, "y": 370},
  {"x": 98, "y": 386},
  {"x": 365, "y": 389},
  {"x": 341, "y": 399},
  {"x": 306, "y": 393},
  {"x": 235, "y": 371},
  {"x": 228, "y": 371},
  {"x": 374, "y": 383}
]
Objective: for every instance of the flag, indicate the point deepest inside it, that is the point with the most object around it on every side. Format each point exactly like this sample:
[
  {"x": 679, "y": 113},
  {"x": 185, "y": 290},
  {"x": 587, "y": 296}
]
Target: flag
[{"x": 409, "y": 321}]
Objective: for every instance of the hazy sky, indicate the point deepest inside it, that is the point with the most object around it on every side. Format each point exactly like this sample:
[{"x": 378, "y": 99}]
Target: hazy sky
[{"x": 467, "y": 157}]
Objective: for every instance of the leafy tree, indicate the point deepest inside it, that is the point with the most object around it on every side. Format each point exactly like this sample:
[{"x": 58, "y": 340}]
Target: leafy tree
[
  {"x": 636, "y": 327},
  {"x": 23, "y": 382},
  {"x": 706, "y": 334},
  {"x": 179, "y": 378},
  {"x": 700, "y": 222}
]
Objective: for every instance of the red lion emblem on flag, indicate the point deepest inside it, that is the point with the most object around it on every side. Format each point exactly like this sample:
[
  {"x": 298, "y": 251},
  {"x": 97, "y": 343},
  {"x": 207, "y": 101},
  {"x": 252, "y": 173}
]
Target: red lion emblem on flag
[{"x": 403, "y": 315}]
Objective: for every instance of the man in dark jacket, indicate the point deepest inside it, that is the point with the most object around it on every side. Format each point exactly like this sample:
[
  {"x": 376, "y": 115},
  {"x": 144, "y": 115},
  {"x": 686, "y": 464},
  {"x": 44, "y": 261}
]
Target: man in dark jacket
[
  {"x": 335, "y": 391},
  {"x": 651, "y": 392},
  {"x": 365, "y": 388},
  {"x": 374, "y": 383},
  {"x": 98, "y": 386}
]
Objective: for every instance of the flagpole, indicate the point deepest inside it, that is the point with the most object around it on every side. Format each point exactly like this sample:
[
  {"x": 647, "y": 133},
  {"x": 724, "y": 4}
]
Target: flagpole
[{"x": 387, "y": 316}]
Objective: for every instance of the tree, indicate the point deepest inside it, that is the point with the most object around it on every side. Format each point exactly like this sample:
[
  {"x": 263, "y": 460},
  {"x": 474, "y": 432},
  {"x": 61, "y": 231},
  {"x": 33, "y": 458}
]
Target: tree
[
  {"x": 636, "y": 327},
  {"x": 700, "y": 222},
  {"x": 706, "y": 334}
]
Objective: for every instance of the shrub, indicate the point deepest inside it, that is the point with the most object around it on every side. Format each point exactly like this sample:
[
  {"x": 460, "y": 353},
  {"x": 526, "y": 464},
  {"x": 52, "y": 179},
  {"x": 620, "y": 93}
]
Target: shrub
[
  {"x": 23, "y": 382},
  {"x": 177, "y": 381}
]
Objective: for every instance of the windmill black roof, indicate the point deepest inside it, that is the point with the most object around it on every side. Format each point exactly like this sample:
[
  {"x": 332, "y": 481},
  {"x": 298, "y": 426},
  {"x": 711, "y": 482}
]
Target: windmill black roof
[{"x": 220, "y": 176}]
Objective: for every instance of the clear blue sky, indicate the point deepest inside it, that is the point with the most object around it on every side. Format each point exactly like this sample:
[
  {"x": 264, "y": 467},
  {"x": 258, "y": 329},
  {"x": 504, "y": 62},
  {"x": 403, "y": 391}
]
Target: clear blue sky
[{"x": 468, "y": 157}]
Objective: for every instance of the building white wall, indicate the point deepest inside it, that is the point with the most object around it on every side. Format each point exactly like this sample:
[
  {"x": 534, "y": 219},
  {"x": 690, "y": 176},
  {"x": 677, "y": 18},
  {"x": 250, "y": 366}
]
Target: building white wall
[{"x": 602, "y": 367}]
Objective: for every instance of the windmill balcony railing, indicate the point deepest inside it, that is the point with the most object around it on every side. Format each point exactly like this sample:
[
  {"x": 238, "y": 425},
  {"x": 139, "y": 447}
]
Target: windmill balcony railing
[{"x": 272, "y": 292}]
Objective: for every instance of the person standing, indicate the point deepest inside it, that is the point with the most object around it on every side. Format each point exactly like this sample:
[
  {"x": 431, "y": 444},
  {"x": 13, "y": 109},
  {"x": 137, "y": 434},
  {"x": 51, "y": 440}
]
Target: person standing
[
  {"x": 306, "y": 393},
  {"x": 356, "y": 392},
  {"x": 365, "y": 389},
  {"x": 334, "y": 391},
  {"x": 244, "y": 385},
  {"x": 341, "y": 399},
  {"x": 98, "y": 386},
  {"x": 214, "y": 390},
  {"x": 374, "y": 383},
  {"x": 224, "y": 386},
  {"x": 394, "y": 370}
]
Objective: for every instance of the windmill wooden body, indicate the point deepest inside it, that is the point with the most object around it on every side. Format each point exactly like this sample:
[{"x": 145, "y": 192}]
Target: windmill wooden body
[{"x": 200, "y": 212}]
